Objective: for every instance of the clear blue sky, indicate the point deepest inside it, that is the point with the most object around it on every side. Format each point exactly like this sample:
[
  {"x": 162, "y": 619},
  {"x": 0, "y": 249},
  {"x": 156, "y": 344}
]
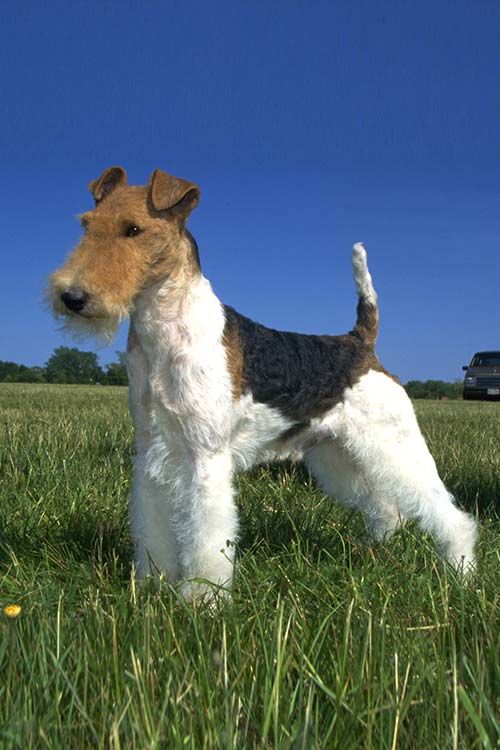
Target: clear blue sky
[{"x": 308, "y": 125}]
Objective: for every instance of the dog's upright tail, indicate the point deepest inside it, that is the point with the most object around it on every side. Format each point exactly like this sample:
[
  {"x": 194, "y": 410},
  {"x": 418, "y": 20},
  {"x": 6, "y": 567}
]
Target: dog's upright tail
[{"x": 367, "y": 311}]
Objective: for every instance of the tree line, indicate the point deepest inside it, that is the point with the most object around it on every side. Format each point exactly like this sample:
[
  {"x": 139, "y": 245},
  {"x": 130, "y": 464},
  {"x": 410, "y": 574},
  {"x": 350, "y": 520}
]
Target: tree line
[
  {"x": 70, "y": 365},
  {"x": 436, "y": 389},
  {"x": 67, "y": 365}
]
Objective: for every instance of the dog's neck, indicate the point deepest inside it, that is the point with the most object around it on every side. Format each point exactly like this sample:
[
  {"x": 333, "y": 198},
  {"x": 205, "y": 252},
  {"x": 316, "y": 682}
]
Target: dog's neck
[{"x": 173, "y": 320}]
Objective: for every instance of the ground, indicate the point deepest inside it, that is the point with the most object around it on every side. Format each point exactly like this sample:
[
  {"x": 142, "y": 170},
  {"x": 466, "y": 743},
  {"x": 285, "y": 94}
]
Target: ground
[{"x": 327, "y": 643}]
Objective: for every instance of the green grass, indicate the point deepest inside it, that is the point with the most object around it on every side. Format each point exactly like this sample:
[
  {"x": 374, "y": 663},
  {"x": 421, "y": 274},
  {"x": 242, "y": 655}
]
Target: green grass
[{"x": 326, "y": 643}]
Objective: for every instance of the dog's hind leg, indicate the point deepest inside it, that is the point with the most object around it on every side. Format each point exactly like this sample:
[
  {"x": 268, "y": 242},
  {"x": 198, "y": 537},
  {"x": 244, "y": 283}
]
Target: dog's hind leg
[
  {"x": 392, "y": 474},
  {"x": 339, "y": 476}
]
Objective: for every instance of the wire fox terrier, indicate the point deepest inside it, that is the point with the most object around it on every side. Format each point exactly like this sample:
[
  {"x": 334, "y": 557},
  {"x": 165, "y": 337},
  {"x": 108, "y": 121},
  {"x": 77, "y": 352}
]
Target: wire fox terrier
[{"x": 211, "y": 392}]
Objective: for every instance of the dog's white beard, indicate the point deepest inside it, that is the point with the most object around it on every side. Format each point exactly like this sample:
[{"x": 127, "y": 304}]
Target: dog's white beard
[{"x": 103, "y": 330}]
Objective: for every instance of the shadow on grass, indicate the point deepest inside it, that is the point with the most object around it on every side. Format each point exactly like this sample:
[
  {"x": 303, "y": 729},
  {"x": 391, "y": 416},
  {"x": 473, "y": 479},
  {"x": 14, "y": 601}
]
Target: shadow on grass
[
  {"x": 81, "y": 541},
  {"x": 279, "y": 509}
]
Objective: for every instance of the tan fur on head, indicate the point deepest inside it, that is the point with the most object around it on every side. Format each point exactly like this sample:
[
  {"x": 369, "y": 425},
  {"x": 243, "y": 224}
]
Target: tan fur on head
[{"x": 134, "y": 238}]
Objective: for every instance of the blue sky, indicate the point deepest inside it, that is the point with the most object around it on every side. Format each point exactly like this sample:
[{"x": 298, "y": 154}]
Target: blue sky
[{"x": 308, "y": 125}]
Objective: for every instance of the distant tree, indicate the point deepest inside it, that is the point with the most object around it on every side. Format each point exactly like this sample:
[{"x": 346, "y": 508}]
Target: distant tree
[
  {"x": 456, "y": 389},
  {"x": 11, "y": 372},
  {"x": 70, "y": 365},
  {"x": 32, "y": 375},
  {"x": 416, "y": 389},
  {"x": 435, "y": 388},
  {"x": 116, "y": 372}
]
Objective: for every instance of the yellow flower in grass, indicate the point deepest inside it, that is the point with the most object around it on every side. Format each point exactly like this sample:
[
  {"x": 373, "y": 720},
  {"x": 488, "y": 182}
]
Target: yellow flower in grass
[{"x": 12, "y": 611}]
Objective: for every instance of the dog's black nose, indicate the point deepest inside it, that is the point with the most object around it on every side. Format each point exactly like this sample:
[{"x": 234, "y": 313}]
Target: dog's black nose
[{"x": 74, "y": 299}]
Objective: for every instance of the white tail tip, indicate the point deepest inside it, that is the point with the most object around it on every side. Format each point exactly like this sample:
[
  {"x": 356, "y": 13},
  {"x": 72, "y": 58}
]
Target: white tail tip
[{"x": 362, "y": 277}]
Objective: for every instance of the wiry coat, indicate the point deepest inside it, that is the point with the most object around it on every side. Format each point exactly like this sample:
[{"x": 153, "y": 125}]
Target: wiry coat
[{"x": 212, "y": 392}]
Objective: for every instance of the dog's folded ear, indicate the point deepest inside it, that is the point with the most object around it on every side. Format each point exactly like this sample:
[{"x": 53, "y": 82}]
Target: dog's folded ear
[
  {"x": 107, "y": 182},
  {"x": 169, "y": 193}
]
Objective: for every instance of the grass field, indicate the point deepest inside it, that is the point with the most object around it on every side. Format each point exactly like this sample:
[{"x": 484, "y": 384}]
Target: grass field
[{"x": 326, "y": 642}]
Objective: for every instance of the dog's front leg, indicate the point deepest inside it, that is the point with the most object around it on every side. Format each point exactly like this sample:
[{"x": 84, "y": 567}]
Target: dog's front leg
[
  {"x": 152, "y": 522},
  {"x": 184, "y": 521},
  {"x": 206, "y": 525}
]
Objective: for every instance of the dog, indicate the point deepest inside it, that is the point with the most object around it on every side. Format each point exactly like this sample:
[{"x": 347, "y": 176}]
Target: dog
[{"x": 212, "y": 392}]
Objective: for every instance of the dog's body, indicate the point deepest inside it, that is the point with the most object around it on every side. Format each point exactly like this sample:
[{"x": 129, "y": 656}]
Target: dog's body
[{"x": 211, "y": 393}]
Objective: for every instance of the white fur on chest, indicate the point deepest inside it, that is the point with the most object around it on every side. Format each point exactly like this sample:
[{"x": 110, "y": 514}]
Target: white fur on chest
[
  {"x": 181, "y": 391},
  {"x": 179, "y": 373}
]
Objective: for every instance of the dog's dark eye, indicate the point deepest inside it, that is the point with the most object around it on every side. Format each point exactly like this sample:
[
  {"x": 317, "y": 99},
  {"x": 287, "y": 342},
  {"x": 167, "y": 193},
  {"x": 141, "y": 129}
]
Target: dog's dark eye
[{"x": 132, "y": 231}]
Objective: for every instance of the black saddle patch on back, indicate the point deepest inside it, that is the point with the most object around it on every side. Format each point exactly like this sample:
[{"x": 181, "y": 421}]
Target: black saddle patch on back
[{"x": 301, "y": 375}]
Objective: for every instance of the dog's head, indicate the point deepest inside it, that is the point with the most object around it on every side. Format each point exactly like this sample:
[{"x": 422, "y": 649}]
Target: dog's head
[{"x": 133, "y": 238}]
